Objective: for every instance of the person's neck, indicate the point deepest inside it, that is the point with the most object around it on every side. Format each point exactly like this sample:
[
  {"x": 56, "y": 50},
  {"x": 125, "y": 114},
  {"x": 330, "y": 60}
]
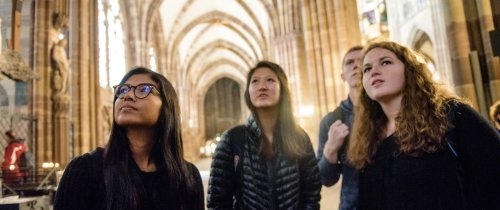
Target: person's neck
[
  {"x": 268, "y": 119},
  {"x": 354, "y": 96},
  {"x": 141, "y": 142},
  {"x": 391, "y": 110}
]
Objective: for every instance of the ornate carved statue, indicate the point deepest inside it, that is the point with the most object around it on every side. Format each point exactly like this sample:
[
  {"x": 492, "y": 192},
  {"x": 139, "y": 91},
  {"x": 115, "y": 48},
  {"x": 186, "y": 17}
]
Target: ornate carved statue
[
  {"x": 60, "y": 66},
  {"x": 59, "y": 24},
  {"x": 59, "y": 59}
]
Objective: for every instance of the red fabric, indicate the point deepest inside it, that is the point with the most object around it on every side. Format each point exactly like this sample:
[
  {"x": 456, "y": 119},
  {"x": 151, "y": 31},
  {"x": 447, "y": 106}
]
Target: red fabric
[{"x": 12, "y": 156}]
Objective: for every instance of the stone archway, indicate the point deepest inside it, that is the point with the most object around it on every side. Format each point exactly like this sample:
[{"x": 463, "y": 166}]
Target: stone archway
[
  {"x": 423, "y": 44},
  {"x": 222, "y": 107}
]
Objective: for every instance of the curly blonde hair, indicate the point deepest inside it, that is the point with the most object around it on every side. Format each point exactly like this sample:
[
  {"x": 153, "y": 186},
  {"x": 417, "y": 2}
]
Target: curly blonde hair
[{"x": 421, "y": 122}]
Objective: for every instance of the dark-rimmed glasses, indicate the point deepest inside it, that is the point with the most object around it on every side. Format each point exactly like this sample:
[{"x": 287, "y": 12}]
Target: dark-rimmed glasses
[{"x": 140, "y": 91}]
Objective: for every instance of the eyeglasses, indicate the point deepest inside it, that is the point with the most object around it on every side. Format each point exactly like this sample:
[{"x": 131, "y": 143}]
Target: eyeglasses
[{"x": 140, "y": 91}]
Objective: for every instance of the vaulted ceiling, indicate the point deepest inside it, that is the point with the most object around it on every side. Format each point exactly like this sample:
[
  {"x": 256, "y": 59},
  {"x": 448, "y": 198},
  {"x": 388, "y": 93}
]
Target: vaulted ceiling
[{"x": 208, "y": 40}]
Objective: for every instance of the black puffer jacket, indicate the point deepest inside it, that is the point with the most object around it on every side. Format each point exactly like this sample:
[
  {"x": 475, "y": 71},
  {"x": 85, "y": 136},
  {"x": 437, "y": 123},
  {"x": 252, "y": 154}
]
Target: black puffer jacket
[{"x": 281, "y": 183}]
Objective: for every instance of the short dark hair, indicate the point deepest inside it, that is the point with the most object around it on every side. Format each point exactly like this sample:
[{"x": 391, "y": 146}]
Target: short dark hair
[{"x": 352, "y": 49}]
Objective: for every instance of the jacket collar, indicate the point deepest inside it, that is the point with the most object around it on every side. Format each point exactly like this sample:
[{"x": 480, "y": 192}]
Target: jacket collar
[{"x": 252, "y": 126}]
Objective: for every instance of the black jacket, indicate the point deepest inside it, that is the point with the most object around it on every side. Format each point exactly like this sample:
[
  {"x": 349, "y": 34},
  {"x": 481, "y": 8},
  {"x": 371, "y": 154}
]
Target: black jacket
[{"x": 282, "y": 183}]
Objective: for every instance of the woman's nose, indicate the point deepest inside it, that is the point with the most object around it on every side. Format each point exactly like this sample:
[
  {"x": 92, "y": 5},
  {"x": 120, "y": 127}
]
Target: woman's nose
[
  {"x": 374, "y": 71},
  {"x": 128, "y": 95},
  {"x": 262, "y": 86}
]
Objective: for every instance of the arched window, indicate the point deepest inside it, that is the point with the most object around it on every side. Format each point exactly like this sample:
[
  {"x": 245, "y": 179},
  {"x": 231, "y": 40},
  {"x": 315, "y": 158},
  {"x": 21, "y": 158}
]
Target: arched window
[
  {"x": 424, "y": 46},
  {"x": 111, "y": 43}
]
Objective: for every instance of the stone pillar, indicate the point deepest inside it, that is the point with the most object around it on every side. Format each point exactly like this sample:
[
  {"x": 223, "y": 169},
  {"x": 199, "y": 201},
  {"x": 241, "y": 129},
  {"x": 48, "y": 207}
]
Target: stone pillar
[
  {"x": 61, "y": 128},
  {"x": 42, "y": 91},
  {"x": 329, "y": 29},
  {"x": 59, "y": 80},
  {"x": 493, "y": 63},
  {"x": 460, "y": 49},
  {"x": 1, "y": 37},
  {"x": 85, "y": 94}
]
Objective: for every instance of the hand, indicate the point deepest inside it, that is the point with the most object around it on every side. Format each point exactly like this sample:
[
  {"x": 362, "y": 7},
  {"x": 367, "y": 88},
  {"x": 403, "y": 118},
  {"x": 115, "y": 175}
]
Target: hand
[{"x": 336, "y": 135}]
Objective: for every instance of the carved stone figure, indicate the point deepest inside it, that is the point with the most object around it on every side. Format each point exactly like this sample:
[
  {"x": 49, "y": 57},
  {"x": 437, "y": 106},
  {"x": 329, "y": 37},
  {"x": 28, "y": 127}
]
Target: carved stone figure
[
  {"x": 59, "y": 59},
  {"x": 60, "y": 65},
  {"x": 59, "y": 24}
]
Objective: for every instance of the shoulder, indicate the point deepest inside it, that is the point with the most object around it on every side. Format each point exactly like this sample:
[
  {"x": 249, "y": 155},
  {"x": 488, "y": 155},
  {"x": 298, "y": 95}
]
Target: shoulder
[
  {"x": 458, "y": 109},
  {"x": 193, "y": 171},
  {"x": 236, "y": 133},
  {"x": 87, "y": 159},
  {"x": 236, "y": 129},
  {"x": 192, "y": 168},
  {"x": 331, "y": 117}
]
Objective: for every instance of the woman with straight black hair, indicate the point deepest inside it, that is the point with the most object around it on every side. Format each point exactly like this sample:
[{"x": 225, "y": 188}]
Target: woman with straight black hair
[
  {"x": 269, "y": 162},
  {"x": 142, "y": 166}
]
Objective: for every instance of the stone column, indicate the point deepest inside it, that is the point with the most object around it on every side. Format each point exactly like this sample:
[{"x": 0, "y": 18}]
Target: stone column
[
  {"x": 61, "y": 128},
  {"x": 42, "y": 91},
  {"x": 329, "y": 29},
  {"x": 492, "y": 62},
  {"x": 60, "y": 97},
  {"x": 460, "y": 49},
  {"x": 85, "y": 94},
  {"x": 0, "y": 37}
]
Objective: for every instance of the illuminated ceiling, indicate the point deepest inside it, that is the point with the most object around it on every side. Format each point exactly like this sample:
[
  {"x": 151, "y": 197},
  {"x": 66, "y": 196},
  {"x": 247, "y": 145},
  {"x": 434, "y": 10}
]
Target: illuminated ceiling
[{"x": 211, "y": 39}]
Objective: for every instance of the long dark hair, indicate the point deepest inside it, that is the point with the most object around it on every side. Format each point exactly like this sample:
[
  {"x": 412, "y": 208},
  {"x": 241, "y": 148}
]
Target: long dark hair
[
  {"x": 287, "y": 133},
  {"x": 122, "y": 182}
]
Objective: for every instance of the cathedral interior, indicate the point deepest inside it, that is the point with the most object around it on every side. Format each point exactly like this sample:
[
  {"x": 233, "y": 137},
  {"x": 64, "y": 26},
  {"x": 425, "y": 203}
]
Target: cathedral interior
[{"x": 60, "y": 58}]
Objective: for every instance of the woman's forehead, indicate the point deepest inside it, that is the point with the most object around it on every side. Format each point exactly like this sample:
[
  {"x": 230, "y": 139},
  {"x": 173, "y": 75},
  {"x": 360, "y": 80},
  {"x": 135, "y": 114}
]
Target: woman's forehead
[
  {"x": 140, "y": 78},
  {"x": 263, "y": 72}
]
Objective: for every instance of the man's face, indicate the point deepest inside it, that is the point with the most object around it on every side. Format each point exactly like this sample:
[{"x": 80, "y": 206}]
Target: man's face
[{"x": 351, "y": 69}]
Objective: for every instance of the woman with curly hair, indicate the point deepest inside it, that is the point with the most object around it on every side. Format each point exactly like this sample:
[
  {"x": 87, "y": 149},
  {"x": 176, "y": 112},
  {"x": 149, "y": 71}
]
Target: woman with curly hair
[{"x": 417, "y": 145}]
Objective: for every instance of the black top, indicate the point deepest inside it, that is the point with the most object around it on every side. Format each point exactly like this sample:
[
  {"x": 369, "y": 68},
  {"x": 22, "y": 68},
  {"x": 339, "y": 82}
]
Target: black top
[
  {"x": 439, "y": 180},
  {"x": 82, "y": 186}
]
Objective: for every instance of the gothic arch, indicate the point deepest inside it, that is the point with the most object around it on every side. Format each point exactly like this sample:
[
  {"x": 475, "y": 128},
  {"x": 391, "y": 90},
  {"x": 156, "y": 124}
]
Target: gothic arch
[
  {"x": 269, "y": 8},
  {"x": 257, "y": 53},
  {"x": 422, "y": 43},
  {"x": 218, "y": 17},
  {"x": 211, "y": 72},
  {"x": 220, "y": 112},
  {"x": 206, "y": 50}
]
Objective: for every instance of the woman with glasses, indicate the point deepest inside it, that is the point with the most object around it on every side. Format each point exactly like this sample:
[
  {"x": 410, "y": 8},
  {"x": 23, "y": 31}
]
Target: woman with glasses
[{"x": 142, "y": 166}]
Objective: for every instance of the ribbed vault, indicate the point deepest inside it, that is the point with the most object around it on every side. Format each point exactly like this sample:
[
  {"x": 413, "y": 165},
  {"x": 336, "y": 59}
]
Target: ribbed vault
[{"x": 210, "y": 40}]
